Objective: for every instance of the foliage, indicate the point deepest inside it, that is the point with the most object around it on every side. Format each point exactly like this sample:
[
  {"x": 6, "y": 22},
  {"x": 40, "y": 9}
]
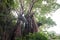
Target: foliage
[
  {"x": 5, "y": 10},
  {"x": 45, "y": 20},
  {"x": 41, "y": 8},
  {"x": 53, "y": 36},
  {"x": 35, "y": 36}
]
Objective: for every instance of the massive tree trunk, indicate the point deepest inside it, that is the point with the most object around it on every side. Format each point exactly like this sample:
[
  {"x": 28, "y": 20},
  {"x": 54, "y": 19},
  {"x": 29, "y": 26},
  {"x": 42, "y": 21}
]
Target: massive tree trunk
[{"x": 32, "y": 26}]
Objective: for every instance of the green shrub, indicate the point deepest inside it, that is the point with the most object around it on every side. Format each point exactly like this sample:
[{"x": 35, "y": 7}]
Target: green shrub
[{"x": 35, "y": 36}]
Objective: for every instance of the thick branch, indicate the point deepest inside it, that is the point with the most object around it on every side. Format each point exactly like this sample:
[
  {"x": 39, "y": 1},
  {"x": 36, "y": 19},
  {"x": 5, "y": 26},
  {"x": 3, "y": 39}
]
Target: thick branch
[
  {"x": 31, "y": 5},
  {"x": 22, "y": 6}
]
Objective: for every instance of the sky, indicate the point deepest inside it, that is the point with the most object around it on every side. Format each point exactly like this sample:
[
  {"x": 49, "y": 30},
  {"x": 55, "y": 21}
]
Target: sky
[{"x": 56, "y": 17}]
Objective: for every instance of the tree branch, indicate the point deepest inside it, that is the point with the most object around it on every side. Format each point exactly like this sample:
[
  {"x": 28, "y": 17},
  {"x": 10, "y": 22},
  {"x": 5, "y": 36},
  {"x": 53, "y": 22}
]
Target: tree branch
[
  {"x": 22, "y": 6},
  {"x": 31, "y": 5}
]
